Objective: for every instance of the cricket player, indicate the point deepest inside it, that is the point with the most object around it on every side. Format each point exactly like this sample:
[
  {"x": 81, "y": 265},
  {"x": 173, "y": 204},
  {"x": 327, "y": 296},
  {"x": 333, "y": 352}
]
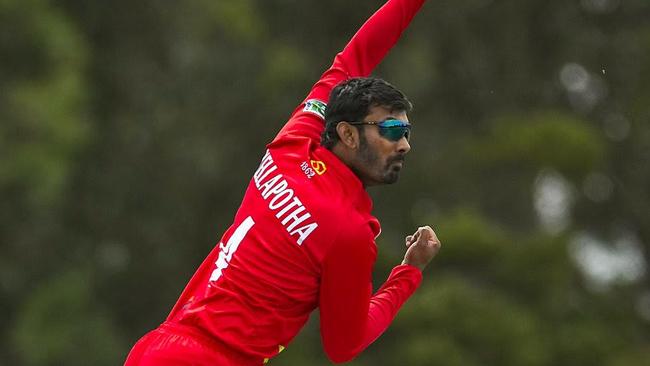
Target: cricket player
[{"x": 304, "y": 236}]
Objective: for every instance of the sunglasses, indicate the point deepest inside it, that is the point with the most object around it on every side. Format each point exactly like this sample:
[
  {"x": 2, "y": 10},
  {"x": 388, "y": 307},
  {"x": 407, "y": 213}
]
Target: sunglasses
[{"x": 391, "y": 129}]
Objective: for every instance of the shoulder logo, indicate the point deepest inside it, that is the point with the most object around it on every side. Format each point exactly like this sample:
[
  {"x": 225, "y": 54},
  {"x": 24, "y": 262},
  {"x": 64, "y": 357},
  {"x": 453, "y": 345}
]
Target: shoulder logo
[
  {"x": 316, "y": 107},
  {"x": 313, "y": 168},
  {"x": 319, "y": 167}
]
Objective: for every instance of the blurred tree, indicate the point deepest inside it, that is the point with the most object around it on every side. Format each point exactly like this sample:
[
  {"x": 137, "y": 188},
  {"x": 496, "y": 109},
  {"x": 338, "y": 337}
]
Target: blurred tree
[
  {"x": 129, "y": 131},
  {"x": 43, "y": 128},
  {"x": 61, "y": 324}
]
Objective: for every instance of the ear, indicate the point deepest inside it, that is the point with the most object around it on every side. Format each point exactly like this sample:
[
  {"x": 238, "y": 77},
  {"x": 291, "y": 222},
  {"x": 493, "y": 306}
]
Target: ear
[{"x": 348, "y": 134}]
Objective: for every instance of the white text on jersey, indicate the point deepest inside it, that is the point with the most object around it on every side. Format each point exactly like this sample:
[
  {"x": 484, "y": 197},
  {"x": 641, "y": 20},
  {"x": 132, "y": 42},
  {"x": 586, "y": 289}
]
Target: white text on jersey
[{"x": 282, "y": 200}]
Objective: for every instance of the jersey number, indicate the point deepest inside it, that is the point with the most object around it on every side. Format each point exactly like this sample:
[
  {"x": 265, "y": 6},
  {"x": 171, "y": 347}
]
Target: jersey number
[{"x": 226, "y": 251}]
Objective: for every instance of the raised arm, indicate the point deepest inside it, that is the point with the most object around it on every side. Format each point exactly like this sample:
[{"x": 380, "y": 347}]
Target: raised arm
[{"x": 359, "y": 58}]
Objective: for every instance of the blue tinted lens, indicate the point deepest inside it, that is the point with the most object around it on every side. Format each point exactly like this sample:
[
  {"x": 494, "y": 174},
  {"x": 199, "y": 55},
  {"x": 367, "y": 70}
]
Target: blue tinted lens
[{"x": 394, "y": 129}]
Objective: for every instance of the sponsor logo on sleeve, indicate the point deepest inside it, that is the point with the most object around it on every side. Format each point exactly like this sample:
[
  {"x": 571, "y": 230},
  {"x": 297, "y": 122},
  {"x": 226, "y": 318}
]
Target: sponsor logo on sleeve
[{"x": 316, "y": 107}]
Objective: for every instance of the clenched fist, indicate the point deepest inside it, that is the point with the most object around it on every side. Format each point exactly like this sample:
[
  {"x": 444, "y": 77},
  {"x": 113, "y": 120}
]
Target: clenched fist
[{"x": 421, "y": 247}]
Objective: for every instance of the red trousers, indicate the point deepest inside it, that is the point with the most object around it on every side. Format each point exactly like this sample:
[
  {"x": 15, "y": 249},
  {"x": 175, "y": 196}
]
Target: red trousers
[{"x": 179, "y": 345}]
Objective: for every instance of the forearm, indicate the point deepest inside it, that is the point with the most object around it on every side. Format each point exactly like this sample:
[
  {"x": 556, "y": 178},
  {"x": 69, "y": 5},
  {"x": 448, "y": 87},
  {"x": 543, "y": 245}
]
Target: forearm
[
  {"x": 360, "y": 56},
  {"x": 386, "y": 302},
  {"x": 368, "y": 47},
  {"x": 384, "y": 306},
  {"x": 353, "y": 324},
  {"x": 376, "y": 37}
]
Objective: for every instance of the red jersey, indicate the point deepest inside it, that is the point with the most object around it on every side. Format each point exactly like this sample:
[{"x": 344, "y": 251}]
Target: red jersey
[{"x": 304, "y": 236}]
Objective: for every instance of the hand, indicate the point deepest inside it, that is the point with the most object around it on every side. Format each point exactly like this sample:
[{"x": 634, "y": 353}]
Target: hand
[{"x": 422, "y": 246}]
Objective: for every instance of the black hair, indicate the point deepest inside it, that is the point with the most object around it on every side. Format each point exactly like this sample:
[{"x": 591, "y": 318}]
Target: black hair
[{"x": 352, "y": 99}]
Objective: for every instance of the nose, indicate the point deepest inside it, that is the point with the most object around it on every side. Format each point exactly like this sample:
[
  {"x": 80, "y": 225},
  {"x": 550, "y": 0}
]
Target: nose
[{"x": 403, "y": 145}]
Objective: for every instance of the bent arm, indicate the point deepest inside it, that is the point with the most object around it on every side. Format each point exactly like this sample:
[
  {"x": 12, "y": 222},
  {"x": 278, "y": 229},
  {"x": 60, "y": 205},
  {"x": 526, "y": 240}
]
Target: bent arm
[
  {"x": 359, "y": 58},
  {"x": 351, "y": 319}
]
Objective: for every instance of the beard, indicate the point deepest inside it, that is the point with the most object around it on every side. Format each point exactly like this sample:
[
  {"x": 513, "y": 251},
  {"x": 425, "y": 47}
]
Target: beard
[
  {"x": 392, "y": 169},
  {"x": 375, "y": 171}
]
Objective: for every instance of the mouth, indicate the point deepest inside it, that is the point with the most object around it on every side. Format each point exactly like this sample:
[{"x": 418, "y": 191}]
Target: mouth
[
  {"x": 393, "y": 169},
  {"x": 397, "y": 163}
]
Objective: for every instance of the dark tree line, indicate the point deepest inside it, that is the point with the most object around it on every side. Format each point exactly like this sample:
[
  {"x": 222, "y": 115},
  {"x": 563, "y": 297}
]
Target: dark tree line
[{"x": 129, "y": 130}]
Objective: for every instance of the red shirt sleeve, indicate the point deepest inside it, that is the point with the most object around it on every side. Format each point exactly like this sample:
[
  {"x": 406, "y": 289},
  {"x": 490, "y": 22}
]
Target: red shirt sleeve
[
  {"x": 359, "y": 58},
  {"x": 351, "y": 319}
]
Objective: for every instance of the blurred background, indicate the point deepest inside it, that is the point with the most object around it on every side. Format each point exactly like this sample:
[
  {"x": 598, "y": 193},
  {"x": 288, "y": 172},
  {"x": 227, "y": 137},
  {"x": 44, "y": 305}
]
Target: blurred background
[{"x": 129, "y": 131}]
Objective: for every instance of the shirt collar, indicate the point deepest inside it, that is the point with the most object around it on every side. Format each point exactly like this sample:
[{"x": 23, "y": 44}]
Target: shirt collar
[{"x": 352, "y": 185}]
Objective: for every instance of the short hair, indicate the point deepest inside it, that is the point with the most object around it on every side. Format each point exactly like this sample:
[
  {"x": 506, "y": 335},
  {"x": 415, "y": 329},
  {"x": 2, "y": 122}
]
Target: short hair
[{"x": 352, "y": 99}]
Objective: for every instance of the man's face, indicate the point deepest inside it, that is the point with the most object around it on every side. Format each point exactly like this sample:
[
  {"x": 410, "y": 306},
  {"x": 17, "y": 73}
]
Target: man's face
[{"x": 378, "y": 159}]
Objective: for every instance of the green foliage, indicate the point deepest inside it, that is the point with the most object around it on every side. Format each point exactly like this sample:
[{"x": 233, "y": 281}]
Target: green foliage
[
  {"x": 471, "y": 238},
  {"x": 239, "y": 18},
  {"x": 128, "y": 131},
  {"x": 43, "y": 98},
  {"x": 542, "y": 140},
  {"x": 475, "y": 323},
  {"x": 61, "y": 324}
]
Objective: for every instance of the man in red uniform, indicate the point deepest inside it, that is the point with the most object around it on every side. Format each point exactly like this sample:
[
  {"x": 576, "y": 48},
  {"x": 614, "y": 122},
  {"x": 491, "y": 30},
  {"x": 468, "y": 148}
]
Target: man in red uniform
[{"x": 304, "y": 236}]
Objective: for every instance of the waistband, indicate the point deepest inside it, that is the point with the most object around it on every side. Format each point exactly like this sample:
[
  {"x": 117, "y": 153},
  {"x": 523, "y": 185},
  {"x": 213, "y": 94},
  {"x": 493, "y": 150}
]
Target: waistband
[{"x": 211, "y": 343}]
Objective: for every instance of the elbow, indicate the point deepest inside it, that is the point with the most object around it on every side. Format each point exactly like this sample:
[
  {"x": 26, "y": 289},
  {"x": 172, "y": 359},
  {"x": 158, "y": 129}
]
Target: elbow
[
  {"x": 340, "y": 357},
  {"x": 341, "y": 352}
]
